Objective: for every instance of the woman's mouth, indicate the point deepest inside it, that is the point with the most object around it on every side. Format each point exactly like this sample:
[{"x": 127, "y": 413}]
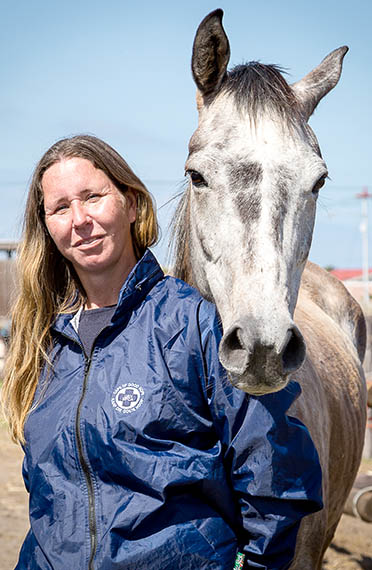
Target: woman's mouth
[{"x": 88, "y": 241}]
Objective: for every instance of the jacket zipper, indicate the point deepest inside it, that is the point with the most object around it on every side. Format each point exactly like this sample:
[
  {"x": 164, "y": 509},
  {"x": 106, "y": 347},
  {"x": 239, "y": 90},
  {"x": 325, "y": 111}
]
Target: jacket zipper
[
  {"x": 83, "y": 462},
  {"x": 85, "y": 468}
]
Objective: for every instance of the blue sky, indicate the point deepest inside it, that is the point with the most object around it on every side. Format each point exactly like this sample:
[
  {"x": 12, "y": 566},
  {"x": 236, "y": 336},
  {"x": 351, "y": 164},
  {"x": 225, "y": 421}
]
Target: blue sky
[{"x": 121, "y": 70}]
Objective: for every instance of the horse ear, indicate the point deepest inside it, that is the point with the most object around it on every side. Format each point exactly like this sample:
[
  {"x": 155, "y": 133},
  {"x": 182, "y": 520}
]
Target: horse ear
[
  {"x": 312, "y": 88},
  {"x": 210, "y": 53}
]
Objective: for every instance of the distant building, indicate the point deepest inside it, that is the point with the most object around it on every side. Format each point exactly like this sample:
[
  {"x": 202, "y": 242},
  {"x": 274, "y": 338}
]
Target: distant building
[
  {"x": 9, "y": 247},
  {"x": 8, "y": 289},
  {"x": 8, "y": 284}
]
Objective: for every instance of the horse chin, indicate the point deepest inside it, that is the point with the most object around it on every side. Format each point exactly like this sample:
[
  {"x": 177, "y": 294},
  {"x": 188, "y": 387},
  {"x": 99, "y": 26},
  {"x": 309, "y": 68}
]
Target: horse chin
[{"x": 255, "y": 386}]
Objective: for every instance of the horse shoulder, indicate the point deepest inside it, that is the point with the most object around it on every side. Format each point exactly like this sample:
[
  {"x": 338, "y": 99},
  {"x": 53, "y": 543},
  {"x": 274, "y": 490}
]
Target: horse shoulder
[
  {"x": 332, "y": 297},
  {"x": 333, "y": 400},
  {"x": 334, "y": 330},
  {"x": 331, "y": 377}
]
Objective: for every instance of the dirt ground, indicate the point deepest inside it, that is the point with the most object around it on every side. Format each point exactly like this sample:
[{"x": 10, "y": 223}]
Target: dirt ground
[{"x": 350, "y": 550}]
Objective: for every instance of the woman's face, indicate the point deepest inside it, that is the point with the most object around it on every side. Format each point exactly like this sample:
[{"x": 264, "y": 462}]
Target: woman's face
[{"x": 88, "y": 218}]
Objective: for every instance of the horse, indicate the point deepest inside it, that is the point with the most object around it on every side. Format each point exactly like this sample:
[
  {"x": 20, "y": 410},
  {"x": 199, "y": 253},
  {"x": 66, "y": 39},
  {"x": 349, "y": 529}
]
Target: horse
[{"x": 242, "y": 233}]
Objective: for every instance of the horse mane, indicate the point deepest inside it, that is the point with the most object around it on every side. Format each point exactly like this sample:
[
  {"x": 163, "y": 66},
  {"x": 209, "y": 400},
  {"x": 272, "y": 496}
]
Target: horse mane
[
  {"x": 256, "y": 88},
  {"x": 179, "y": 240}
]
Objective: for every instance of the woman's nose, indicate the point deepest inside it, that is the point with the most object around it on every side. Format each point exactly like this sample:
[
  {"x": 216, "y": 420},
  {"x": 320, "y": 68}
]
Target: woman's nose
[{"x": 80, "y": 216}]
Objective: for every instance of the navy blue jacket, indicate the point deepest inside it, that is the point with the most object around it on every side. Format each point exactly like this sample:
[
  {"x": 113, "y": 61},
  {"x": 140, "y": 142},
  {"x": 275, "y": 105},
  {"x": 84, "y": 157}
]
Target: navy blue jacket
[{"x": 142, "y": 456}]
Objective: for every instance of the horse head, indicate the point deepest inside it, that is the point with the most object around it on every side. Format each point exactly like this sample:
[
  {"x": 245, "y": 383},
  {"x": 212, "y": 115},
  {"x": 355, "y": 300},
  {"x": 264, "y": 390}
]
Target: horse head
[{"x": 245, "y": 223}]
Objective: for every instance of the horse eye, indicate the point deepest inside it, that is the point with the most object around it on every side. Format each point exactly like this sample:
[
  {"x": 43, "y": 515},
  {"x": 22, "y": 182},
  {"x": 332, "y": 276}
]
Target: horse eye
[
  {"x": 319, "y": 184},
  {"x": 196, "y": 178}
]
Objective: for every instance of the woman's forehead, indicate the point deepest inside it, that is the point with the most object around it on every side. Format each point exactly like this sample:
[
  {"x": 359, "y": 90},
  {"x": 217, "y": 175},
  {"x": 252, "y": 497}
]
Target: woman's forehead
[{"x": 72, "y": 173}]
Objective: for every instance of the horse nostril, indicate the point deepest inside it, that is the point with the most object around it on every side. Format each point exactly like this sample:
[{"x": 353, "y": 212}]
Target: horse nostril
[
  {"x": 294, "y": 351},
  {"x": 233, "y": 353},
  {"x": 232, "y": 340}
]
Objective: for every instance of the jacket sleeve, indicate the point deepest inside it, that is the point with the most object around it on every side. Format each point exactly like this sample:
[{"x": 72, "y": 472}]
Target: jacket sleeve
[{"x": 271, "y": 460}]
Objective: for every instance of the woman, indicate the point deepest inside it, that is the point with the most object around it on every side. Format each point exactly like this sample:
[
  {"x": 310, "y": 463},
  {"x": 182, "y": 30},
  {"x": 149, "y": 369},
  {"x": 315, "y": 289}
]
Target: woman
[{"x": 139, "y": 454}]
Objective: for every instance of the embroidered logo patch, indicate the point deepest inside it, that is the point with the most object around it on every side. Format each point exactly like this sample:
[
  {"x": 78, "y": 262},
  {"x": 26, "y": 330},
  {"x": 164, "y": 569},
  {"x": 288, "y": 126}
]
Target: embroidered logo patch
[{"x": 127, "y": 398}]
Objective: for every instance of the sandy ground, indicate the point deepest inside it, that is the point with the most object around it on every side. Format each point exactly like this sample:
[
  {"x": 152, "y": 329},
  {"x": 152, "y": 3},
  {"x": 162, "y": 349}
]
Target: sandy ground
[
  {"x": 350, "y": 550},
  {"x": 13, "y": 502}
]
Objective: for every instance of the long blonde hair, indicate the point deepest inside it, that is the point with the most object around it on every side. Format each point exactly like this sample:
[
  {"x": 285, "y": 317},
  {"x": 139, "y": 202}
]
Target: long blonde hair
[{"x": 48, "y": 284}]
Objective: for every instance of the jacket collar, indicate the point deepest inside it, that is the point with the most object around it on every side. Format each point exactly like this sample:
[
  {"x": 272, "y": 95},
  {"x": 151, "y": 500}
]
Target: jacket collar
[{"x": 144, "y": 275}]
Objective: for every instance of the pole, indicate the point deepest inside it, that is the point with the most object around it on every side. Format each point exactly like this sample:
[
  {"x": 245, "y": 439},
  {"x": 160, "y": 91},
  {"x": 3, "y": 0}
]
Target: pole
[{"x": 364, "y": 231}]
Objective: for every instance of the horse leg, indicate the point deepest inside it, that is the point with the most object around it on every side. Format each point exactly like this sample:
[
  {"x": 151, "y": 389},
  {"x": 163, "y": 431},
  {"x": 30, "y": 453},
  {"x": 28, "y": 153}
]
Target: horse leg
[
  {"x": 327, "y": 541},
  {"x": 310, "y": 543}
]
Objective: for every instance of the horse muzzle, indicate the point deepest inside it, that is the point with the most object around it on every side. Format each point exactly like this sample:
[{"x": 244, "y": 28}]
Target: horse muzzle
[{"x": 257, "y": 363}]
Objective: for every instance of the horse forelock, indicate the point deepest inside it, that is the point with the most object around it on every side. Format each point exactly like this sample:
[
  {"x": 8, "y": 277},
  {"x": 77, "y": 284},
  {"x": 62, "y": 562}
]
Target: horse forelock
[{"x": 256, "y": 87}]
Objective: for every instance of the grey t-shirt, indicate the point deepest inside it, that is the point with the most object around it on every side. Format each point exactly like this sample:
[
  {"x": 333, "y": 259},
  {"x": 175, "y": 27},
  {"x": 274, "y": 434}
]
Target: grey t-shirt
[{"x": 91, "y": 323}]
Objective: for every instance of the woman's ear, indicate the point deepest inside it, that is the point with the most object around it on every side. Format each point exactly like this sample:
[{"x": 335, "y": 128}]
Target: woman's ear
[{"x": 131, "y": 204}]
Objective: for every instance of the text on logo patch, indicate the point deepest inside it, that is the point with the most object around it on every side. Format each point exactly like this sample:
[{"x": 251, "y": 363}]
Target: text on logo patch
[{"x": 127, "y": 398}]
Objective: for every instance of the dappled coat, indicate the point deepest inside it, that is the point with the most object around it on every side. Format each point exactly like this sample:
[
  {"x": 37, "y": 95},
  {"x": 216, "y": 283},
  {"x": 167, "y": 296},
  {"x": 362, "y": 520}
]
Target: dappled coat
[{"x": 142, "y": 455}]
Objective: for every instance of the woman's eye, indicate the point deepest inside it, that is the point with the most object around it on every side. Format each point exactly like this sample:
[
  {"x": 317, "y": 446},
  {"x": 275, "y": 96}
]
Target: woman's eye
[
  {"x": 61, "y": 209},
  {"x": 93, "y": 197},
  {"x": 319, "y": 185},
  {"x": 196, "y": 178}
]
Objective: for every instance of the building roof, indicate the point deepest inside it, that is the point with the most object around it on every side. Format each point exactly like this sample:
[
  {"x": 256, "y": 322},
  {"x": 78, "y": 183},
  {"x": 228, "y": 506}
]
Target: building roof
[{"x": 346, "y": 274}]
